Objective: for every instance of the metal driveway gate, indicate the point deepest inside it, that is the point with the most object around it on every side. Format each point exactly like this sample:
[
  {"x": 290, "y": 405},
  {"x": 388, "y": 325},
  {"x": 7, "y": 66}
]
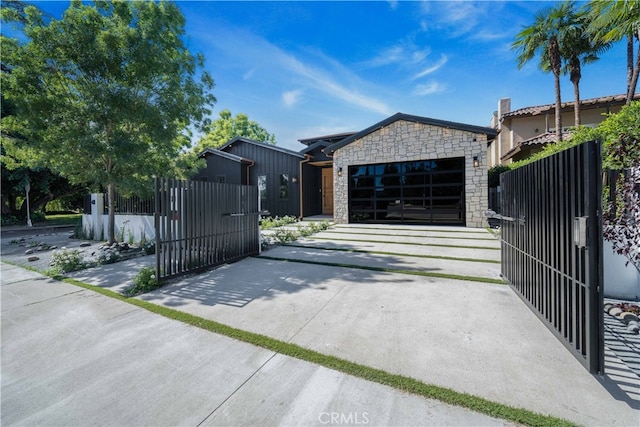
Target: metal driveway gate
[
  {"x": 552, "y": 246},
  {"x": 203, "y": 224}
]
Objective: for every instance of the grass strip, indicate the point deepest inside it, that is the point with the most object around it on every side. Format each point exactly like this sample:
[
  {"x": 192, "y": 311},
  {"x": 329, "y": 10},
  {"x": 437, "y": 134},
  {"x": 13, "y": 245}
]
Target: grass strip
[
  {"x": 61, "y": 219},
  {"x": 399, "y": 382},
  {"x": 391, "y": 270},
  {"x": 452, "y": 258},
  {"x": 410, "y": 229},
  {"x": 411, "y": 235},
  {"x": 404, "y": 243}
]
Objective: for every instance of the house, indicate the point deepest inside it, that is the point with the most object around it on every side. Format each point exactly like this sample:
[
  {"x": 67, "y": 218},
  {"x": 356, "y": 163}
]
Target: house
[
  {"x": 273, "y": 169},
  {"x": 411, "y": 169},
  {"x": 404, "y": 169},
  {"x": 317, "y": 174},
  {"x": 525, "y": 131}
]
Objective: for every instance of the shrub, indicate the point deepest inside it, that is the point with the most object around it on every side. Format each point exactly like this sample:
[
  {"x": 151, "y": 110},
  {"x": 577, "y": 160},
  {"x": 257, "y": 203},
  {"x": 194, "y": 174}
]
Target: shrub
[
  {"x": 148, "y": 247},
  {"x": 270, "y": 222},
  {"x": 285, "y": 236},
  {"x": 108, "y": 256},
  {"x": 144, "y": 281},
  {"x": 67, "y": 260}
]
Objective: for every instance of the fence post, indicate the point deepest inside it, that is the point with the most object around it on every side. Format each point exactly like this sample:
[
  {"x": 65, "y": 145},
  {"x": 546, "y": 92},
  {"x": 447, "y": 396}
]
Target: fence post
[{"x": 97, "y": 212}]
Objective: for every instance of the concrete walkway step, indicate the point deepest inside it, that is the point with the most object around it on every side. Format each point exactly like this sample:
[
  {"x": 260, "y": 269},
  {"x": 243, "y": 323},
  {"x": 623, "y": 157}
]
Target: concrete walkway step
[
  {"x": 399, "y": 247},
  {"x": 391, "y": 262}
]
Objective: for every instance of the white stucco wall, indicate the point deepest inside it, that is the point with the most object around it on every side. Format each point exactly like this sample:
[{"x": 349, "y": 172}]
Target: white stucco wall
[
  {"x": 130, "y": 227},
  {"x": 621, "y": 279},
  {"x": 405, "y": 141}
]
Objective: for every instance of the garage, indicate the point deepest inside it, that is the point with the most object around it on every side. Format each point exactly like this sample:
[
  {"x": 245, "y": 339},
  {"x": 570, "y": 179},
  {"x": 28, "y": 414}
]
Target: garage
[
  {"x": 412, "y": 169},
  {"x": 423, "y": 191}
]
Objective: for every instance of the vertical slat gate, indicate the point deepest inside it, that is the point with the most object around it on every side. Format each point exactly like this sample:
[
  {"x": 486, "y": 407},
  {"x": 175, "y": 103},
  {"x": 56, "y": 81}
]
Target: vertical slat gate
[
  {"x": 552, "y": 246},
  {"x": 202, "y": 224}
]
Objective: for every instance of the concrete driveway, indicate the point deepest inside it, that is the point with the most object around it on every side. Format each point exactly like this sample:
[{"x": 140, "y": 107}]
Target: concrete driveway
[
  {"x": 73, "y": 357},
  {"x": 467, "y": 335},
  {"x": 409, "y": 300}
]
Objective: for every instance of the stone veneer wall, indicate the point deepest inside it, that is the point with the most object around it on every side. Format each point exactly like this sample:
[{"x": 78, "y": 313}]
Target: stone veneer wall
[{"x": 405, "y": 141}]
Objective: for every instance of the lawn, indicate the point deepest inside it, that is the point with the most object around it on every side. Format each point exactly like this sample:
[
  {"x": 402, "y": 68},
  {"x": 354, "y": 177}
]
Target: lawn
[{"x": 62, "y": 219}]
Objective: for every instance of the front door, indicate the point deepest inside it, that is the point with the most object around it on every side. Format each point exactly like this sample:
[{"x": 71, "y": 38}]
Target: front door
[{"x": 327, "y": 191}]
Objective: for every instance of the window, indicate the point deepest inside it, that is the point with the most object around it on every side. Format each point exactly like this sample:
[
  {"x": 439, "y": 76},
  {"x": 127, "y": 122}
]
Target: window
[
  {"x": 423, "y": 191},
  {"x": 221, "y": 179},
  {"x": 262, "y": 187},
  {"x": 284, "y": 186}
]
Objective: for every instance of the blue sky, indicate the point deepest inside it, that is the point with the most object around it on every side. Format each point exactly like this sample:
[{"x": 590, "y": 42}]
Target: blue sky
[{"x": 304, "y": 69}]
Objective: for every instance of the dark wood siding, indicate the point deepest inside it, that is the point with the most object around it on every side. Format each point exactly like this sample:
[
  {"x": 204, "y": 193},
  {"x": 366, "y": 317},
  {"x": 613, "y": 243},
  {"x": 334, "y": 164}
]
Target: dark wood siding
[
  {"x": 219, "y": 166},
  {"x": 272, "y": 163}
]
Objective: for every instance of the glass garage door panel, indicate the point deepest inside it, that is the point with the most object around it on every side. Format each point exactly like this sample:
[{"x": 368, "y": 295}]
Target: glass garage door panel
[{"x": 425, "y": 191}]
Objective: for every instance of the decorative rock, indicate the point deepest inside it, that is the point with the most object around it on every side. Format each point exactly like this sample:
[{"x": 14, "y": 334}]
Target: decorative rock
[
  {"x": 28, "y": 252},
  {"x": 615, "y": 311},
  {"x": 53, "y": 247},
  {"x": 33, "y": 258},
  {"x": 633, "y": 328},
  {"x": 608, "y": 306},
  {"x": 628, "y": 316},
  {"x": 85, "y": 244}
]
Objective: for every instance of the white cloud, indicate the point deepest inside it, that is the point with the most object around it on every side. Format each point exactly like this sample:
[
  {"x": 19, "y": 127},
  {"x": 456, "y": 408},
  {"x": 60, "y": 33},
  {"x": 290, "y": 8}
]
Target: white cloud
[
  {"x": 248, "y": 74},
  {"x": 393, "y": 4},
  {"x": 458, "y": 18},
  {"x": 435, "y": 67},
  {"x": 292, "y": 97},
  {"x": 429, "y": 88},
  {"x": 279, "y": 67},
  {"x": 404, "y": 53}
]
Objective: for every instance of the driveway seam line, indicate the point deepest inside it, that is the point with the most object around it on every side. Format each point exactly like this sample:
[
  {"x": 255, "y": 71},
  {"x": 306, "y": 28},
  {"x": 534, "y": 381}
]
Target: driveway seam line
[
  {"x": 316, "y": 314},
  {"x": 238, "y": 388}
]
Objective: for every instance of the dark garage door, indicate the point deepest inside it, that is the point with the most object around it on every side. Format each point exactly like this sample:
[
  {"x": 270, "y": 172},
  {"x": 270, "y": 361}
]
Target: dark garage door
[{"x": 423, "y": 191}]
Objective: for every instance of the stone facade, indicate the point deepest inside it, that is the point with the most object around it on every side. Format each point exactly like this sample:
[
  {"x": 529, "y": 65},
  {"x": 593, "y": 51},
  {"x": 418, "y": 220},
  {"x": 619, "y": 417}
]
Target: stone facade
[{"x": 405, "y": 141}]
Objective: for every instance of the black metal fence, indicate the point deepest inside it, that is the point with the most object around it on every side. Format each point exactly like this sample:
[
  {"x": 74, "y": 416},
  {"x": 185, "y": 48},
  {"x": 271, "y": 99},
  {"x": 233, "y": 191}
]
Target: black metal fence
[
  {"x": 203, "y": 224},
  {"x": 552, "y": 245},
  {"x": 125, "y": 205}
]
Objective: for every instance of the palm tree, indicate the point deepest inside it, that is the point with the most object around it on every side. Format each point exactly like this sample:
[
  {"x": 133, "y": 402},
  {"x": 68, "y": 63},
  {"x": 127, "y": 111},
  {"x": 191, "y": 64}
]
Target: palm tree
[
  {"x": 614, "y": 20},
  {"x": 541, "y": 38},
  {"x": 577, "y": 47}
]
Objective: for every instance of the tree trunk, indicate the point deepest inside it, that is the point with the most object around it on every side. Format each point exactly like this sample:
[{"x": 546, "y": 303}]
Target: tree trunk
[
  {"x": 556, "y": 62},
  {"x": 633, "y": 80},
  {"x": 575, "y": 79},
  {"x": 629, "y": 66},
  {"x": 558, "y": 108},
  {"x": 111, "y": 227}
]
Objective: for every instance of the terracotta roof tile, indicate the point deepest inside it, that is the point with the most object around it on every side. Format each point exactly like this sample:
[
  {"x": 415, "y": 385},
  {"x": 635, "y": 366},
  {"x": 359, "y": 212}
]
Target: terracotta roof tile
[{"x": 540, "y": 109}]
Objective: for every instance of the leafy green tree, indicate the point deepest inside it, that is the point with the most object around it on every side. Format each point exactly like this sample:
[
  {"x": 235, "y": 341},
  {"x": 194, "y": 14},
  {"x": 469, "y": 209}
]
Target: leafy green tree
[
  {"x": 542, "y": 39},
  {"x": 104, "y": 95},
  {"x": 615, "y": 20},
  {"x": 577, "y": 47},
  {"x": 226, "y": 127},
  {"x": 620, "y": 136}
]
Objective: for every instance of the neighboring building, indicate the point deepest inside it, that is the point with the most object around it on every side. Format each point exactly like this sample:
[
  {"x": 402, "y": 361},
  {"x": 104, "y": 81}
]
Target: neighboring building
[
  {"x": 412, "y": 169},
  {"x": 525, "y": 131}
]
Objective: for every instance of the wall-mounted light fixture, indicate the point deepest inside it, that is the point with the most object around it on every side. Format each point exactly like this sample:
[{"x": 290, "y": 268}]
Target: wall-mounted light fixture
[
  {"x": 476, "y": 162},
  {"x": 340, "y": 171},
  {"x": 294, "y": 179}
]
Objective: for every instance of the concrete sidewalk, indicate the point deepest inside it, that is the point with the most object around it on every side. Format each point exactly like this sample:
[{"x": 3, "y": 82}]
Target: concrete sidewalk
[
  {"x": 74, "y": 357},
  {"x": 472, "y": 337}
]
